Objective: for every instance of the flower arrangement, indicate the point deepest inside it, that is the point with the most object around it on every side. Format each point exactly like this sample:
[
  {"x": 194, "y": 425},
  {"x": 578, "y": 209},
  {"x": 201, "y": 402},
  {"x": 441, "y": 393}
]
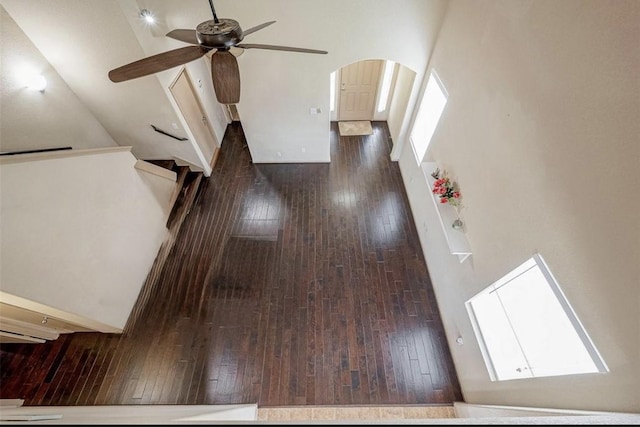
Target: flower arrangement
[{"x": 446, "y": 189}]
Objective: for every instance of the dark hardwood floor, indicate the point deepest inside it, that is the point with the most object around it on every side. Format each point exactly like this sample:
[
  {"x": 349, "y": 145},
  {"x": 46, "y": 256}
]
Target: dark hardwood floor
[{"x": 288, "y": 284}]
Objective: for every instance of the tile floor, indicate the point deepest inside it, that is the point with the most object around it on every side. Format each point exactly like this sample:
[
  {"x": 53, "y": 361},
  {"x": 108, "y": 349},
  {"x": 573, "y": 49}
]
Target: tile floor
[{"x": 361, "y": 413}]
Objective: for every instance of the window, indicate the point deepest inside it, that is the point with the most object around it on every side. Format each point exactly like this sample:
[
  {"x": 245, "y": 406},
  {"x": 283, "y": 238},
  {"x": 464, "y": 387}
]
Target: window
[
  {"x": 386, "y": 85},
  {"x": 332, "y": 91},
  {"x": 431, "y": 107},
  {"x": 526, "y": 327}
]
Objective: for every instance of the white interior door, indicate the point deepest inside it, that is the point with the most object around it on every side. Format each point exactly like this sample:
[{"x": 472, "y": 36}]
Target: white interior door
[
  {"x": 358, "y": 90},
  {"x": 194, "y": 114}
]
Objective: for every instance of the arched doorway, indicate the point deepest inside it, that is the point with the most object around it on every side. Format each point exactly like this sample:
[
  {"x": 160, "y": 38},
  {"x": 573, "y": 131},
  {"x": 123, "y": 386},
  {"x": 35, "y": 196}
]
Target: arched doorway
[{"x": 393, "y": 87}]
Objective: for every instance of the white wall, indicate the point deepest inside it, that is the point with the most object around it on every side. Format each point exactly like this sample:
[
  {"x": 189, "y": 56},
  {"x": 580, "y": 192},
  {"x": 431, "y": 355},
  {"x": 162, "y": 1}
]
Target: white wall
[
  {"x": 541, "y": 131},
  {"x": 80, "y": 233},
  {"x": 398, "y": 113},
  {"x": 33, "y": 120}
]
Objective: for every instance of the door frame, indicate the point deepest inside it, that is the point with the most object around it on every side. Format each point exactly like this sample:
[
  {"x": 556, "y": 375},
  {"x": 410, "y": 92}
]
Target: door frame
[
  {"x": 376, "y": 116},
  {"x": 196, "y": 144}
]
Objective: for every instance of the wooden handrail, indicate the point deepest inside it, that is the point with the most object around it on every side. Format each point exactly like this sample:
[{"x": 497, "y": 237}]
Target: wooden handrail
[{"x": 39, "y": 150}]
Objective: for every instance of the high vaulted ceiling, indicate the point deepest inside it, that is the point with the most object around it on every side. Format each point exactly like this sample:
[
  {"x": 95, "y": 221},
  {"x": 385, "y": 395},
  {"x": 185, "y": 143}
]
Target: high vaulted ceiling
[{"x": 84, "y": 39}]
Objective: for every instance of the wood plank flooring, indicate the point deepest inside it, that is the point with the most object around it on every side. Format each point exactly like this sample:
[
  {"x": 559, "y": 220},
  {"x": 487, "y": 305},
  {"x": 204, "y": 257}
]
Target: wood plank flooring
[{"x": 288, "y": 284}]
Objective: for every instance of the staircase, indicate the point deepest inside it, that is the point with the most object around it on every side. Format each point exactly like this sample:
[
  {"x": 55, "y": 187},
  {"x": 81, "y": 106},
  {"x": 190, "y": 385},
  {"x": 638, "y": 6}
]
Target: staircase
[{"x": 184, "y": 196}]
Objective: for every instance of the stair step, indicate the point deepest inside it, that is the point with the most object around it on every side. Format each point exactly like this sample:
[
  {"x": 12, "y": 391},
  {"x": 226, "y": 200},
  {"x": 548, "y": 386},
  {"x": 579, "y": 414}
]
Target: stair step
[
  {"x": 189, "y": 182},
  {"x": 167, "y": 164},
  {"x": 181, "y": 174}
]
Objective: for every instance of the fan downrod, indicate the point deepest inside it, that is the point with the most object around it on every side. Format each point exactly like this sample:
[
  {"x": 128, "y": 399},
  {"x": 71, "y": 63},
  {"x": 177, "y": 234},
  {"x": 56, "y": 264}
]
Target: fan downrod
[{"x": 213, "y": 11}]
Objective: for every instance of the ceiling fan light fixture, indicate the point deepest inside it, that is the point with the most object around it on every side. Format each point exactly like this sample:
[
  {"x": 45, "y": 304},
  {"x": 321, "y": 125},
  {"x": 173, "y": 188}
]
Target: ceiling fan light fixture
[
  {"x": 147, "y": 15},
  {"x": 219, "y": 39},
  {"x": 236, "y": 51}
]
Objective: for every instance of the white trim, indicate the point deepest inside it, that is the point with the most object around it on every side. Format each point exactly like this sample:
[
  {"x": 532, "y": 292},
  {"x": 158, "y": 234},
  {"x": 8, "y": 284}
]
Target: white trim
[
  {"x": 25, "y": 328},
  {"x": 11, "y": 403},
  {"x": 156, "y": 170},
  {"x": 57, "y": 313},
  {"x": 18, "y": 338},
  {"x": 471, "y": 410}
]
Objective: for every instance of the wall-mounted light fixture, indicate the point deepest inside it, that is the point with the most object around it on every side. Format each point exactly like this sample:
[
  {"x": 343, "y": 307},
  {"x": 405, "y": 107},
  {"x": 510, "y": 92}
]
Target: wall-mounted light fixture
[
  {"x": 29, "y": 76},
  {"x": 147, "y": 15},
  {"x": 37, "y": 82}
]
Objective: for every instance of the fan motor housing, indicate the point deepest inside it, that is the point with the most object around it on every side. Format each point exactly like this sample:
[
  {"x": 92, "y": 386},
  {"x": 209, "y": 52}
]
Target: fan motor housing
[{"x": 222, "y": 34}]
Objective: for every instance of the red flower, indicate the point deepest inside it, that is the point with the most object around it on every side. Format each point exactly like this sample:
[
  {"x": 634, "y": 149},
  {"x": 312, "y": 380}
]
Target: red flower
[{"x": 446, "y": 190}]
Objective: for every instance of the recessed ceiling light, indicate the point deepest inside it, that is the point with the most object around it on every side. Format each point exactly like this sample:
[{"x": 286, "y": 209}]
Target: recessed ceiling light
[{"x": 147, "y": 16}]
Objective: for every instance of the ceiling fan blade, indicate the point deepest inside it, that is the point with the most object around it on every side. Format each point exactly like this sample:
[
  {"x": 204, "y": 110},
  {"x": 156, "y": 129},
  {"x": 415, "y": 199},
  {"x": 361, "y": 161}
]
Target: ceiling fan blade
[
  {"x": 156, "y": 63},
  {"x": 187, "y": 36},
  {"x": 273, "y": 47},
  {"x": 226, "y": 77},
  {"x": 257, "y": 27}
]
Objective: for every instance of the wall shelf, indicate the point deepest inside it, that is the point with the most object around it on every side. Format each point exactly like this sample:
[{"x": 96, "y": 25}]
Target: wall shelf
[{"x": 456, "y": 239}]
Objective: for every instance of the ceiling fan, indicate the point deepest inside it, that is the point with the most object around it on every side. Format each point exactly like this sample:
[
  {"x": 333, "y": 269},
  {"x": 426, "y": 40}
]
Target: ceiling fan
[{"x": 218, "y": 35}]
